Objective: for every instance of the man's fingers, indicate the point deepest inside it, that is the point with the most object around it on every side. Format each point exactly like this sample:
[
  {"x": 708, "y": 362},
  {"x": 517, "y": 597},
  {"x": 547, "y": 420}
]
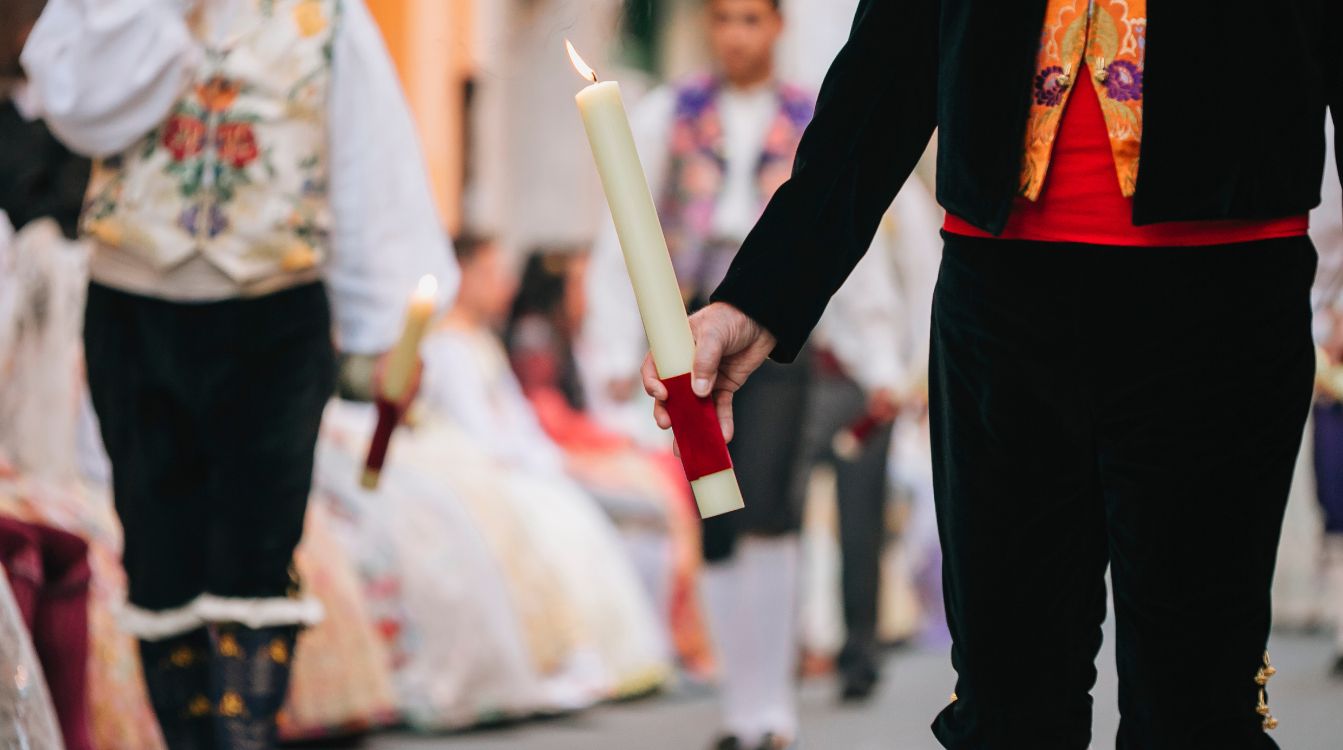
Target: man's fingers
[
  {"x": 661, "y": 416},
  {"x": 708, "y": 356},
  {"x": 652, "y": 384},
  {"x": 723, "y": 401}
]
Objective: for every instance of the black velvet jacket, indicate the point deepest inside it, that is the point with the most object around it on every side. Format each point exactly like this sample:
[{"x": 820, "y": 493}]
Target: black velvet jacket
[{"x": 1235, "y": 98}]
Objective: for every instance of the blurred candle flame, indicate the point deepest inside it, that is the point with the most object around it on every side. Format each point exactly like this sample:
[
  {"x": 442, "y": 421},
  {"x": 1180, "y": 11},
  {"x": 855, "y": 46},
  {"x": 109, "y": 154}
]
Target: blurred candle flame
[
  {"x": 427, "y": 289},
  {"x": 582, "y": 67}
]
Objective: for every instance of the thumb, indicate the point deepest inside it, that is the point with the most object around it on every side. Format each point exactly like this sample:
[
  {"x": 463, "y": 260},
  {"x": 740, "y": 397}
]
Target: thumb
[{"x": 708, "y": 356}]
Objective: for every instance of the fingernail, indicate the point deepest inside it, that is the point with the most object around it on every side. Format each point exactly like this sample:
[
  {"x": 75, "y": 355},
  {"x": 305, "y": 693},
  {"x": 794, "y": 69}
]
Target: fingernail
[{"x": 701, "y": 386}]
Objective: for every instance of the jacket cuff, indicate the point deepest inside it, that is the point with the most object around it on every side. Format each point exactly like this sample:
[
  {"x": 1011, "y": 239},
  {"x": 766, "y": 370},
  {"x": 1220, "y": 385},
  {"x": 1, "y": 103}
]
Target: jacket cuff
[{"x": 767, "y": 307}]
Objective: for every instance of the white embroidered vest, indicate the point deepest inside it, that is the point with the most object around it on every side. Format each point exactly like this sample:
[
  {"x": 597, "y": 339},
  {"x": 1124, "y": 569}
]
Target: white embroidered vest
[{"x": 237, "y": 173}]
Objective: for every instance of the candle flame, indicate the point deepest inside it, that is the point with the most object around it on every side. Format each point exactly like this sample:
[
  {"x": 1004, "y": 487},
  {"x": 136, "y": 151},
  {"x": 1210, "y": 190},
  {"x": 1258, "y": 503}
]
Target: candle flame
[
  {"x": 427, "y": 288},
  {"x": 582, "y": 67}
]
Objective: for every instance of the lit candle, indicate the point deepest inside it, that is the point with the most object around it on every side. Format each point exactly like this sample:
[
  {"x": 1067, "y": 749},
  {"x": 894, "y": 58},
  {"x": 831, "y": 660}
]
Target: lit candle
[
  {"x": 398, "y": 375},
  {"x": 406, "y": 355},
  {"x": 694, "y": 420}
]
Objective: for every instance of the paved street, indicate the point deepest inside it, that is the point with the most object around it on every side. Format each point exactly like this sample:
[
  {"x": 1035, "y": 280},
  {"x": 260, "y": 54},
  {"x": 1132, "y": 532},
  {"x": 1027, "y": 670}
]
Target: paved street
[{"x": 1309, "y": 705}]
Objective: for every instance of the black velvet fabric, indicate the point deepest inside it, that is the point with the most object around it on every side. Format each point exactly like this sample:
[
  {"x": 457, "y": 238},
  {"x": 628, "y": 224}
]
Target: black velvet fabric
[
  {"x": 1140, "y": 409},
  {"x": 210, "y": 415},
  {"x": 1234, "y": 108}
]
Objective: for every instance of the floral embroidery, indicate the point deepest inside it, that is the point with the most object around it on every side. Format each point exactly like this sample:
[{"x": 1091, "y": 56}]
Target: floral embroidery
[
  {"x": 237, "y": 171},
  {"x": 236, "y": 144},
  {"x": 184, "y": 137},
  {"x": 1108, "y": 37},
  {"x": 1049, "y": 87},
  {"x": 309, "y": 18},
  {"x": 690, "y": 197},
  {"x": 217, "y": 94},
  {"x": 190, "y": 221},
  {"x": 1123, "y": 81}
]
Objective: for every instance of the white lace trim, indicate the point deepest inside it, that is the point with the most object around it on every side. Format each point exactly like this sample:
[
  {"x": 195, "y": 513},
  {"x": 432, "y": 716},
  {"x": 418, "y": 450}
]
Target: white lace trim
[{"x": 152, "y": 625}]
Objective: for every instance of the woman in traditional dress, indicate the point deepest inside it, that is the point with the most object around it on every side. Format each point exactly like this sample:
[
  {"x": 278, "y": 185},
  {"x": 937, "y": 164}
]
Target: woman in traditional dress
[{"x": 468, "y": 382}]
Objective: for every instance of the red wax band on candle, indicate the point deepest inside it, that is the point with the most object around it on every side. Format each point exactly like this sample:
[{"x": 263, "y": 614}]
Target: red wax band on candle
[
  {"x": 388, "y": 416},
  {"x": 864, "y": 427},
  {"x": 698, "y": 435}
]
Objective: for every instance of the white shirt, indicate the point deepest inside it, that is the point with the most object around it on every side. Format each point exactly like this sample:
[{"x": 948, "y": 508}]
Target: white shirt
[
  {"x": 1326, "y": 230},
  {"x": 746, "y": 116},
  {"x": 106, "y": 72}
]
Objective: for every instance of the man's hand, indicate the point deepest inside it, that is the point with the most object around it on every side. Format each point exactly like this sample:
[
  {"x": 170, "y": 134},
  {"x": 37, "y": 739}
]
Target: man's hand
[
  {"x": 884, "y": 405},
  {"x": 729, "y": 346},
  {"x": 412, "y": 388}
]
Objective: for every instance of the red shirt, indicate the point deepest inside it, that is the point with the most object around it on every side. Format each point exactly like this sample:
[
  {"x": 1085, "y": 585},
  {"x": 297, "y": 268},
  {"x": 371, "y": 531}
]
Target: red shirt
[{"x": 1082, "y": 203}]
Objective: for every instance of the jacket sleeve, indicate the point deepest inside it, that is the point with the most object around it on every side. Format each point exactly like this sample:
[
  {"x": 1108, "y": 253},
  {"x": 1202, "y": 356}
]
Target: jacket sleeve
[{"x": 876, "y": 112}]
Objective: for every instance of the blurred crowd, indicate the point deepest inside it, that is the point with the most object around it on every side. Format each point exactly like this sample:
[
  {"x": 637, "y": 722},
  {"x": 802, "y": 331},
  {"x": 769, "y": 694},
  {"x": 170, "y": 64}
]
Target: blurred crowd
[{"x": 533, "y": 547}]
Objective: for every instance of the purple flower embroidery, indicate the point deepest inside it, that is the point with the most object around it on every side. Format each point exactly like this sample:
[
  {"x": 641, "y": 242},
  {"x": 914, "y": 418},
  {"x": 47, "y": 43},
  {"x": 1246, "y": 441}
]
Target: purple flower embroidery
[
  {"x": 189, "y": 221},
  {"x": 1048, "y": 89},
  {"x": 1124, "y": 84}
]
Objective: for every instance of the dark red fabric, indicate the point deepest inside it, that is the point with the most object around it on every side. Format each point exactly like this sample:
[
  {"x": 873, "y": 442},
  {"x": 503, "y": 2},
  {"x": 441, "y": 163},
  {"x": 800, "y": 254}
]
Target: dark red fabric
[
  {"x": 698, "y": 435},
  {"x": 388, "y": 417},
  {"x": 863, "y": 428},
  {"x": 21, "y": 556},
  {"x": 1081, "y": 201},
  {"x": 61, "y": 632}
]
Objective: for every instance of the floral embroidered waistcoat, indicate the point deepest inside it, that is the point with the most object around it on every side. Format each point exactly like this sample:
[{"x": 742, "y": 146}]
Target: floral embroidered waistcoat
[
  {"x": 1108, "y": 40},
  {"x": 695, "y": 177},
  {"x": 237, "y": 171}
]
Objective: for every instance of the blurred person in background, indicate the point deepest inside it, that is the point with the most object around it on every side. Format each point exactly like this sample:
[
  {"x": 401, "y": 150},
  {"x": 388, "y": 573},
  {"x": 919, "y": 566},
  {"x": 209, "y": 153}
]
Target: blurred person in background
[
  {"x": 41, "y": 181},
  {"x": 643, "y": 489},
  {"x": 39, "y": 176},
  {"x": 869, "y": 365},
  {"x": 1327, "y": 232},
  {"x": 252, "y": 159},
  {"x": 1092, "y": 319},
  {"x": 469, "y": 382},
  {"x": 715, "y": 148}
]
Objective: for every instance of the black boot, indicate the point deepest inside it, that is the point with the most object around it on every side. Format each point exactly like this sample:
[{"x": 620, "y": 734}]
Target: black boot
[
  {"x": 177, "y": 674},
  {"x": 250, "y": 678},
  {"x": 858, "y": 674}
]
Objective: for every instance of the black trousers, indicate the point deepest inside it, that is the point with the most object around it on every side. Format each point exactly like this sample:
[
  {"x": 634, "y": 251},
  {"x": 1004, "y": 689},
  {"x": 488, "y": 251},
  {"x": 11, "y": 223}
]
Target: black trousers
[
  {"x": 766, "y": 451},
  {"x": 1135, "y": 408},
  {"x": 210, "y": 415},
  {"x": 834, "y": 403}
]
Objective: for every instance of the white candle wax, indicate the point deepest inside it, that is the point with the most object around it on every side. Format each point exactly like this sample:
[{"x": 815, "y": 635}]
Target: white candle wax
[
  {"x": 636, "y": 220},
  {"x": 406, "y": 354},
  {"x": 646, "y": 257}
]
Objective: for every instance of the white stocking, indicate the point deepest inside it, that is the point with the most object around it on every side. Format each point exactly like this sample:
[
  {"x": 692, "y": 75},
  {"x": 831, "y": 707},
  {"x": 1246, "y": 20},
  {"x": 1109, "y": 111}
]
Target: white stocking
[
  {"x": 769, "y": 582},
  {"x": 1333, "y": 551},
  {"x": 728, "y": 625}
]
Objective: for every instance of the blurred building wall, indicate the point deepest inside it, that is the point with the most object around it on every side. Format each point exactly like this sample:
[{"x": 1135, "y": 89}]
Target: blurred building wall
[
  {"x": 431, "y": 42},
  {"x": 532, "y": 177}
]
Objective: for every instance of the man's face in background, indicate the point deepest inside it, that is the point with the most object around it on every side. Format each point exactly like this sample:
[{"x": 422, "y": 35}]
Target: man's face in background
[{"x": 742, "y": 35}]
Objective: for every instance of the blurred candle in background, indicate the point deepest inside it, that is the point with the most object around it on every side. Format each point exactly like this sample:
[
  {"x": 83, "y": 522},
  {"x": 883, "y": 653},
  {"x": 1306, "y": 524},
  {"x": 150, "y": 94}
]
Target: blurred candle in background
[{"x": 398, "y": 375}]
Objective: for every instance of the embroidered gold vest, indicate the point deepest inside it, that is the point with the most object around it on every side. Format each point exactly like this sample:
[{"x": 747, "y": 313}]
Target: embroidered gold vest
[
  {"x": 1108, "y": 39},
  {"x": 237, "y": 172}
]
